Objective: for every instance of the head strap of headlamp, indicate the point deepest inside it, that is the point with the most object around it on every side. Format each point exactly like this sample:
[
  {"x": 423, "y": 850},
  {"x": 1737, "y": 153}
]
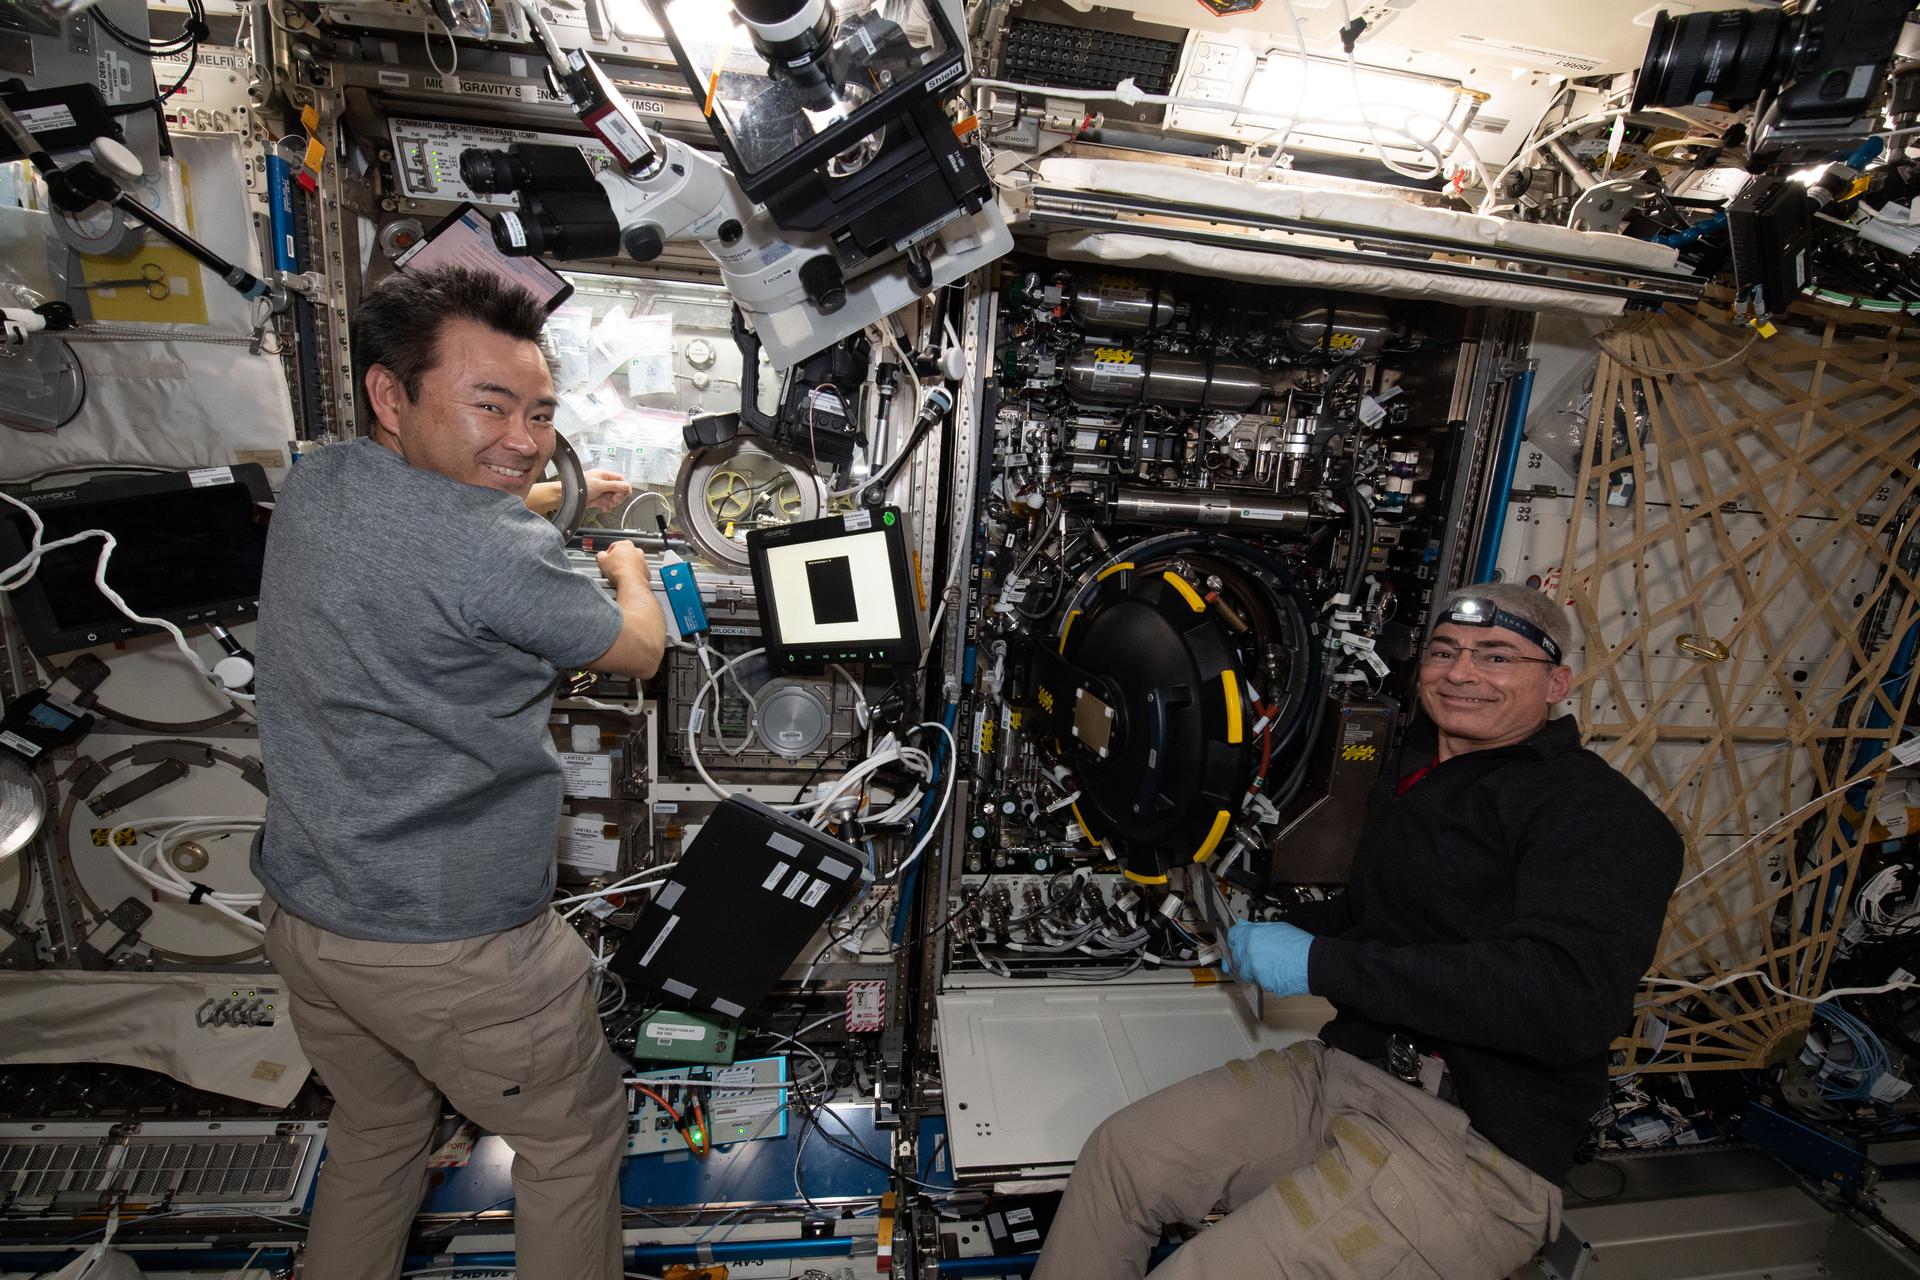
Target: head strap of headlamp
[{"x": 1475, "y": 612}]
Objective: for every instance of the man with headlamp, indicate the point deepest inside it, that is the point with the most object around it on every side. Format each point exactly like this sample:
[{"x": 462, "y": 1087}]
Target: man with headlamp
[{"x": 1507, "y": 894}]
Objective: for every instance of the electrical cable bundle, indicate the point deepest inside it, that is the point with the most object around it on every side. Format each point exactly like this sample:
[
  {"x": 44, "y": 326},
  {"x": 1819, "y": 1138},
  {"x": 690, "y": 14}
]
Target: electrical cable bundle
[
  {"x": 1635, "y": 1119},
  {"x": 193, "y": 32},
  {"x": 1888, "y": 905},
  {"x": 1850, "y": 1056}
]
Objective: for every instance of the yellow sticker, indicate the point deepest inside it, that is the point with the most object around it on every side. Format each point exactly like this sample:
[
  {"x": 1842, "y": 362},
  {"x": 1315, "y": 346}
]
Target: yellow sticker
[
  {"x": 125, "y": 837},
  {"x": 1112, "y": 355},
  {"x": 1355, "y": 751}
]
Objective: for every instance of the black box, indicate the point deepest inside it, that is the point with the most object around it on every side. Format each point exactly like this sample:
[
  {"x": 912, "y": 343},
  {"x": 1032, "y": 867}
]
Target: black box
[{"x": 749, "y": 894}]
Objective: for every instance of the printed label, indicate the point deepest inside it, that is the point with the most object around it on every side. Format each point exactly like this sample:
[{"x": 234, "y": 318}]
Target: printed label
[
  {"x": 621, "y": 138},
  {"x": 587, "y": 844},
  {"x": 45, "y": 119},
  {"x": 646, "y": 957},
  {"x": 669, "y": 1031},
  {"x": 588, "y": 775},
  {"x": 207, "y": 477}
]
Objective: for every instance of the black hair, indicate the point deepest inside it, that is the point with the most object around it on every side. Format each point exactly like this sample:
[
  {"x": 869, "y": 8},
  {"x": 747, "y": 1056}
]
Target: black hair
[{"x": 398, "y": 324}]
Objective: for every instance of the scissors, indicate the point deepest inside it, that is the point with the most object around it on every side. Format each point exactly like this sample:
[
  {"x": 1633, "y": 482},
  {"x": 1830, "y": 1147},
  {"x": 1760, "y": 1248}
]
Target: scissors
[{"x": 152, "y": 277}]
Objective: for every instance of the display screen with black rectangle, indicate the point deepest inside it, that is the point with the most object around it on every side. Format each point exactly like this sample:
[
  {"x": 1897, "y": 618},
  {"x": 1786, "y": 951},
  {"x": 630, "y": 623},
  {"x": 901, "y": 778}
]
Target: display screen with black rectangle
[
  {"x": 178, "y": 553},
  {"x": 830, "y": 583},
  {"x": 835, "y": 590}
]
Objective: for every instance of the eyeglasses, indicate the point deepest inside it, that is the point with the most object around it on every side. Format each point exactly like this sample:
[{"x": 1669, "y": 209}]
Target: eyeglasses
[{"x": 1440, "y": 654}]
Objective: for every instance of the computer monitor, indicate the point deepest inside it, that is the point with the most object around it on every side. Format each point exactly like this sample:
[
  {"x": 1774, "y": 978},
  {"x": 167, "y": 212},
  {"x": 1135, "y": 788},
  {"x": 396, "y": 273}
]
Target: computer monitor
[
  {"x": 190, "y": 545},
  {"x": 842, "y": 589}
]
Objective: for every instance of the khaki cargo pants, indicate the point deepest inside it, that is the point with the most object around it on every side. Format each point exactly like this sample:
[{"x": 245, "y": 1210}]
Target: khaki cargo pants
[
  {"x": 504, "y": 1025},
  {"x": 1328, "y": 1166}
]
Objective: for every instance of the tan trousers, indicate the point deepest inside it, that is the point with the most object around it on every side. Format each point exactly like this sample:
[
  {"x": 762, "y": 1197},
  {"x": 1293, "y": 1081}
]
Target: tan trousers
[
  {"x": 504, "y": 1025},
  {"x": 1328, "y": 1167}
]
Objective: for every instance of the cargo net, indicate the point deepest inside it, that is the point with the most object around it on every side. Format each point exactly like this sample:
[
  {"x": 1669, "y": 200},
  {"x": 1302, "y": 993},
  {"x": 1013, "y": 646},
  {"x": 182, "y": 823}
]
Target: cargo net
[{"x": 1742, "y": 573}]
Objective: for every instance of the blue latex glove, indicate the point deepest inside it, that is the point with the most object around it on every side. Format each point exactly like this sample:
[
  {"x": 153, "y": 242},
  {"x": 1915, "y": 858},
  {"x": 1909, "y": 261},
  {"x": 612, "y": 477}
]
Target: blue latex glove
[{"x": 1273, "y": 955}]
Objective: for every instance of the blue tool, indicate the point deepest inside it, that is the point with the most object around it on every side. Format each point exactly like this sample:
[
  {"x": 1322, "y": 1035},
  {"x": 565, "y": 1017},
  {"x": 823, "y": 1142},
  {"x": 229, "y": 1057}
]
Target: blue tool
[
  {"x": 683, "y": 596},
  {"x": 280, "y": 210}
]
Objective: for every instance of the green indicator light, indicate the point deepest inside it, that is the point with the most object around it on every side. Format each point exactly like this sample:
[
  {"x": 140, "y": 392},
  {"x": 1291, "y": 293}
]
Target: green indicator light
[{"x": 887, "y": 518}]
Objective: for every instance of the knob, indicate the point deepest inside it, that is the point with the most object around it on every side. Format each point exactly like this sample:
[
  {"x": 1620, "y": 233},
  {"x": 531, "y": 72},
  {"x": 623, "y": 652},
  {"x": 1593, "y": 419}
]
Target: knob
[{"x": 643, "y": 242}]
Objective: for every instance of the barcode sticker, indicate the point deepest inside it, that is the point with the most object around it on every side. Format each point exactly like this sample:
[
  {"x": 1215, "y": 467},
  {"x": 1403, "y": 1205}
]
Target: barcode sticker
[
  {"x": 28, "y": 749},
  {"x": 207, "y": 477}
]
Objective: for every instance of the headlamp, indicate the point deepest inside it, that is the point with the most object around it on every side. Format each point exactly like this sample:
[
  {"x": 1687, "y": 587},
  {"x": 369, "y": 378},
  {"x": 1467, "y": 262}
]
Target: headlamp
[{"x": 1476, "y": 612}]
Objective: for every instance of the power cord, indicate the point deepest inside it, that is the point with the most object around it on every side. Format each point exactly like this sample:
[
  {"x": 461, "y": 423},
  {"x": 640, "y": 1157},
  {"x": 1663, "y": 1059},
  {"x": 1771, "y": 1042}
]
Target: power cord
[{"x": 17, "y": 575}]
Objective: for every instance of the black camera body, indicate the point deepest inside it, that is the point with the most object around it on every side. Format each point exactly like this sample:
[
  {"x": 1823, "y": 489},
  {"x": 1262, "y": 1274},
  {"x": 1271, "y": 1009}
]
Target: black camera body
[
  {"x": 1817, "y": 75},
  {"x": 1828, "y": 100}
]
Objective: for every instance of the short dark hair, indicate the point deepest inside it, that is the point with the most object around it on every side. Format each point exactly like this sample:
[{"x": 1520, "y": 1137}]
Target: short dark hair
[{"x": 399, "y": 322}]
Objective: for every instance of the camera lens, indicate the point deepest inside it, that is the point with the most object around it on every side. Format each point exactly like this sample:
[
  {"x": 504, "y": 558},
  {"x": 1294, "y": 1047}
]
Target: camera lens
[
  {"x": 526, "y": 166},
  {"x": 569, "y": 227},
  {"x": 1725, "y": 57},
  {"x": 486, "y": 172}
]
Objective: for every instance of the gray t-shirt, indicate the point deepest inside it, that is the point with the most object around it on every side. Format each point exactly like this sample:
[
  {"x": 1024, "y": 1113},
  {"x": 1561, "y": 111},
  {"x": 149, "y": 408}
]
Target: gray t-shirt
[{"x": 411, "y": 632}]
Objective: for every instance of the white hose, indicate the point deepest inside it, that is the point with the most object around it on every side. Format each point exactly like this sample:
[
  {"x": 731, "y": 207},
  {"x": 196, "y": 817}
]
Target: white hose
[{"x": 152, "y": 869}]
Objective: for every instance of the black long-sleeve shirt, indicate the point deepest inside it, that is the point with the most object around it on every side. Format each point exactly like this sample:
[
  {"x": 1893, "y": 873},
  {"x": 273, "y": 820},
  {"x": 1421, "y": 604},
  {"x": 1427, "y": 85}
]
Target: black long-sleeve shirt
[{"x": 1501, "y": 913}]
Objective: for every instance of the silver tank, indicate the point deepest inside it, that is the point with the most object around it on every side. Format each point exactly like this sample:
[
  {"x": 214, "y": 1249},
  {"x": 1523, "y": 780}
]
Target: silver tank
[
  {"x": 1216, "y": 509},
  {"x": 1113, "y": 375},
  {"x": 1119, "y": 305}
]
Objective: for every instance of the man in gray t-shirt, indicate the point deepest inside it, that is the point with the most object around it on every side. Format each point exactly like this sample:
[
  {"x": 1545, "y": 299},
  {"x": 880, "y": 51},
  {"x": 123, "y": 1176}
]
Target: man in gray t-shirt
[{"x": 415, "y": 619}]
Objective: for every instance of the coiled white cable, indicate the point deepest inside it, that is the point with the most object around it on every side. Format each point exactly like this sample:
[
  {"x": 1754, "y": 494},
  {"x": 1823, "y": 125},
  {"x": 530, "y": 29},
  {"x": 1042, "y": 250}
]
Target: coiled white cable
[{"x": 152, "y": 869}]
